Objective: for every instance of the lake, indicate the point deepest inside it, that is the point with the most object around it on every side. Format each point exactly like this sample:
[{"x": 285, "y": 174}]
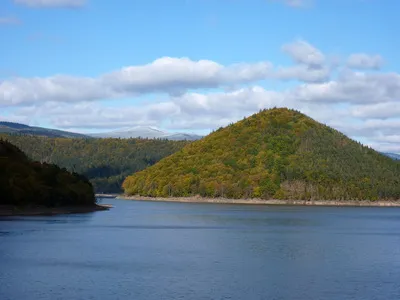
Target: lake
[{"x": 154, "y": 250}]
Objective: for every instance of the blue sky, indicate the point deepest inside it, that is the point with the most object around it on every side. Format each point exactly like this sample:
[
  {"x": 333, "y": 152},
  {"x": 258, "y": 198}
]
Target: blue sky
[{"x": 62, "y": 63}]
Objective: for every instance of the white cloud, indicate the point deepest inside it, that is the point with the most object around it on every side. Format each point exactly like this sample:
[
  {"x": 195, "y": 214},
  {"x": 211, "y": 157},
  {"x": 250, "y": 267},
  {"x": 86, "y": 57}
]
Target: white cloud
[
  {"x": 304, "y": 73},
  {"x": 372, "y": 128},
  {"x": 304, "y": 53},
  {"x": 57, "y": 88},
  {"x": 189, "y": 111},
  {"x": 164, "y": 75},
  {"x": 385, "y": 147},
  {"x": 52, "y": 3},
  {"x": 9, "y": 21},
  {"x": 392, "y": 139},
  {"x": 386, "y": 142},
  {"x": 232, "y": 104},
  {"x": 16, "y": 118},
  {"x": 186, "y": 111},
  {"x": 377, "y": 110},
  {"x": 386, "y": 127},
  {"x": 91, "y": 115},
  {"x": 353, "y": 87},
  {"x": 311, "y": 65},
  {"x": 365, "y": 61},
  {"x": 169, "y": 74}
]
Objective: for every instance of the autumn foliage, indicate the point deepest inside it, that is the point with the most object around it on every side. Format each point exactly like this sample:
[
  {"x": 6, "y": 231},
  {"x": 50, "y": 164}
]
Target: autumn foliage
[{"x": 277, "y": 153}]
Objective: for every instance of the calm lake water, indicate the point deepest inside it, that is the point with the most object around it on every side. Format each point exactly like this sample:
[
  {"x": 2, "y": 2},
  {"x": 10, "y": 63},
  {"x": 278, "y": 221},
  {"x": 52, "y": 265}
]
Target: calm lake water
[{"x": 150, "y": 250}]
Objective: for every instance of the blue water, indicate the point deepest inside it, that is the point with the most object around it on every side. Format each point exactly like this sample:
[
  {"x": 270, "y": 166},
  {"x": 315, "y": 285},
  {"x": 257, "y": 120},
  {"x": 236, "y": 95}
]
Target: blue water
[{"x": 150, "y": 250}]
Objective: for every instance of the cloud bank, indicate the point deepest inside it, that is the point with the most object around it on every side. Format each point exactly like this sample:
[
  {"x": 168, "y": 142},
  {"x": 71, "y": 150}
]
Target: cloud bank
[
  {"x": 164, "y": 75},
  {"x": 355, "y": 97},
  {"x": 365, "y": 61}
]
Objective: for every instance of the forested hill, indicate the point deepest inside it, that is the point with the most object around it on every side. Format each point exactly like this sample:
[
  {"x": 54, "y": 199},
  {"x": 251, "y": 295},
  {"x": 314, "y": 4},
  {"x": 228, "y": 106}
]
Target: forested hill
[
  {"x": 25, "y": 182},
  {"x": 276, "y": 153},
  {"x": 106, "y": 162}
]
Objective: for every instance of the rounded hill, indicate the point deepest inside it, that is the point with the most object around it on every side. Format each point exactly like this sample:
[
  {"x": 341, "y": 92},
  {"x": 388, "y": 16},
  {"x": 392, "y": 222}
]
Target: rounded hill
[{"x": 277, "y": 153}]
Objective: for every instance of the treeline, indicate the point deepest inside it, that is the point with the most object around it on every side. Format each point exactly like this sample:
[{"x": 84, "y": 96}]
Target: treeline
[
  {"x": 275, "y": 154},
  {"x": 26, "y": 182},
  {"x": 105, "y": 162}
]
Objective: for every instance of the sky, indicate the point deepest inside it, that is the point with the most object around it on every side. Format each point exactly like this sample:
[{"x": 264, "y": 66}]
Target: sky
[{"x": 195, "y": 65}]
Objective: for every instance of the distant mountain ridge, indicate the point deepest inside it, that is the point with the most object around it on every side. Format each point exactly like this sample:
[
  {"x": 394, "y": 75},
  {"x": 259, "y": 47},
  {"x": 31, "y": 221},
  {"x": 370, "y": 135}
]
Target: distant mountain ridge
[
  {"x": 135, "y": 132},
  {"x": 147, "y": 132},
  {"x": 392, "y": 155},
  {"x": 17, "y": 128}
]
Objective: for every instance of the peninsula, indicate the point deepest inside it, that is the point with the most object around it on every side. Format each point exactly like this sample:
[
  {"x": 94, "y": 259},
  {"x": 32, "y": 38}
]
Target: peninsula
[{"x": 33, "y": 188}]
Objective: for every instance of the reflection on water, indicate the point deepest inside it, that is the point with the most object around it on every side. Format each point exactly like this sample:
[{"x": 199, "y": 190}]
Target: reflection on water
[
  {"x": 68, "y": 218},
  {"x": 152, "y": 250}
]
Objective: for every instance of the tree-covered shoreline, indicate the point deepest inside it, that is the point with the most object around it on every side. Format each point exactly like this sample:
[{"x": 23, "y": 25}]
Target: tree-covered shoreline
[{"x": 27, "y": 183}]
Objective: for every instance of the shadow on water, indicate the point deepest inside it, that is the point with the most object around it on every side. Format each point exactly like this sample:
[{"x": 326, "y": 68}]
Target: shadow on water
[
  {"x": 53, "y": 219},
  {"x": 124, "y": 266},
  {"x": 15, "y": 233},
  {"x": 26, "y": 225}
]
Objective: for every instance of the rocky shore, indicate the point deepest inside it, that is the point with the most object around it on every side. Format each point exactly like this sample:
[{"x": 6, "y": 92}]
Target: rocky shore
[{"x": 198, "y": 199}]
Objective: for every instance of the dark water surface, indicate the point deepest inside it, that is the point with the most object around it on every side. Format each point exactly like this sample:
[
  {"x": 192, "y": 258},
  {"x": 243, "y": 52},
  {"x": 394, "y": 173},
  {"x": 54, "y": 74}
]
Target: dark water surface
[{"x": 151, "y": 250}]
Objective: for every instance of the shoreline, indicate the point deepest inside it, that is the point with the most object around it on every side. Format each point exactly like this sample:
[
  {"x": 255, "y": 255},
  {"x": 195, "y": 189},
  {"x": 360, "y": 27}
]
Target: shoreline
[
  {"x": 9, "y": 210},
  {"x": 106, "y": 195},
  {"x": 253, "y": 201}
]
